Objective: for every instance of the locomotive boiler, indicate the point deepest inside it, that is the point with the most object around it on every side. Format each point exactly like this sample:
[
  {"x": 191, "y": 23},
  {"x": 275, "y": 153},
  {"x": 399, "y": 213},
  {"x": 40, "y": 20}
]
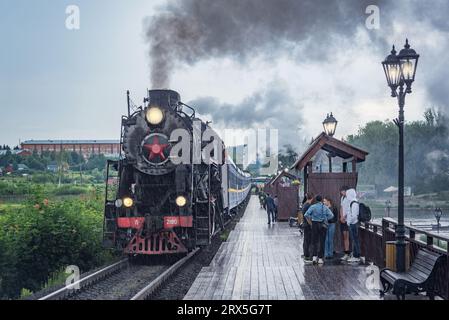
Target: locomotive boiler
[{"x": 174, "y": 185}]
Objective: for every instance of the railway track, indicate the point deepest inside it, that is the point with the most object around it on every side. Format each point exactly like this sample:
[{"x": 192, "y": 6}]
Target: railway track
[{"x": 122, "y": 280}]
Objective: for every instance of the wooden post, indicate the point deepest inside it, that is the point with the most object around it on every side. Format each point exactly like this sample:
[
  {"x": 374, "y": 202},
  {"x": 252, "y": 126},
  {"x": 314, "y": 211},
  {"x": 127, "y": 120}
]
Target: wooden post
[
  {"x": 354, "y": 165},
  {"x": 385, "y": 226},
  {"x": 330, "y": 163},
  {"x": 345, "y": 167},
  {"x": 306, "y": 179}
]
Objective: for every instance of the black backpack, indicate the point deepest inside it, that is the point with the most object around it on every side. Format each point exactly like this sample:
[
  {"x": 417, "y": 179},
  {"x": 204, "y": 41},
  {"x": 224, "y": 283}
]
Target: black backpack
[{"x": 364, "y": 212}]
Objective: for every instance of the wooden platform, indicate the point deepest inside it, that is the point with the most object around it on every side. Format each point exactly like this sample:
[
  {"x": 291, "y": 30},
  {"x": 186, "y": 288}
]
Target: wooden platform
[{"x": 263, "y": 262}]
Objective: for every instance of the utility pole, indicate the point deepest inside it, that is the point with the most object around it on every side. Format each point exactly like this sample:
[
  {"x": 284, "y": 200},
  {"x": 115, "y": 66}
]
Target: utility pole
[{"x": 81, "y": 173}]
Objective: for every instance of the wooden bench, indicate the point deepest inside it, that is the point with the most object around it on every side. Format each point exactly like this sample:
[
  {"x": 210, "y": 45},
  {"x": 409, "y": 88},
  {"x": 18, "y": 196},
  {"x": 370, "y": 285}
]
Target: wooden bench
[{"x": 420, "y": 278}]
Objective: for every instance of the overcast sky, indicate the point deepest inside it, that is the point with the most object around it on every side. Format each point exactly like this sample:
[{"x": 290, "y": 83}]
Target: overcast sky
[{"x": 259, "y": 64}]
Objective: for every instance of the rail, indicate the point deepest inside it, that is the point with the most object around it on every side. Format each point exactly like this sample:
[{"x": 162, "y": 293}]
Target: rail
[
  {"x": 86, "y": 281},
  {"x": 156, "y": 283},
  {"x": 373, "y": 238}
]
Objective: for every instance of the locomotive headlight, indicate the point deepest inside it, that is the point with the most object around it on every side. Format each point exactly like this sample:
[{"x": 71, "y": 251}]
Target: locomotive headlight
[
  {"x": 181, "y": 201},
  {"x": 128, "y": 202},
  {"x": 118, "y": 203},
  {"x": 154, "y": 115}
]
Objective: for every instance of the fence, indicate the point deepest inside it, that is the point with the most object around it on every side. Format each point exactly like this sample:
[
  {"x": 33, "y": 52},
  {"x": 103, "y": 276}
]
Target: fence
[{"x": 373, "y": 237}]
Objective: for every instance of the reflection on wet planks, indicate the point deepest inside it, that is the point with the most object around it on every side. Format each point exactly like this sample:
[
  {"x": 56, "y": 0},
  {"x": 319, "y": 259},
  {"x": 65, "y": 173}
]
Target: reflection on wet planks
[{"x": 262, "y": 262}]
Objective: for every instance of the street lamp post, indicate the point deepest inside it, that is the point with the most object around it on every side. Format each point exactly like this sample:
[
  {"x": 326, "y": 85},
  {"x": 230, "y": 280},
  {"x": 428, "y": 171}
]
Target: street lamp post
[
  {"x": 400, "y": 71},
  {"x": 330, "y": 125},
  {"x": 388, "y": 204},
  {"x": 438, "y": 213}
]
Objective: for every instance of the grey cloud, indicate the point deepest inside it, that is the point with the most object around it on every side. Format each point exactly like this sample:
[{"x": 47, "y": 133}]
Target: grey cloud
[
  {"x": 269, "y": 108},
  {"x": 188, "y": 31}
]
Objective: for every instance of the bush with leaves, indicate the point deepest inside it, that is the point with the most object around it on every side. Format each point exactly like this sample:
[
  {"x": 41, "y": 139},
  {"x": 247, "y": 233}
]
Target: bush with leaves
[{"x": 43, "y": 237}]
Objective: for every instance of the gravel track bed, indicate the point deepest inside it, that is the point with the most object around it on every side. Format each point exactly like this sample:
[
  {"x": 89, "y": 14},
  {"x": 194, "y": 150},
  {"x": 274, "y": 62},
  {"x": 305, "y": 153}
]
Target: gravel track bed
[{"x": 122, "y": 285}]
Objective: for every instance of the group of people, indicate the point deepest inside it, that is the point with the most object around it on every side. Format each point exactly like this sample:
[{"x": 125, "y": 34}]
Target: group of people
[
  {"x": 319, "y": 218},
  {"x": 269, "y": 203}
]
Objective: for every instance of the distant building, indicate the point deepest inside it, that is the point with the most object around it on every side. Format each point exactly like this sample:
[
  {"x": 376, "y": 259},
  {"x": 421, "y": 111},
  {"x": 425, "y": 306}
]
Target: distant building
[{"x": 84, "y": 147}]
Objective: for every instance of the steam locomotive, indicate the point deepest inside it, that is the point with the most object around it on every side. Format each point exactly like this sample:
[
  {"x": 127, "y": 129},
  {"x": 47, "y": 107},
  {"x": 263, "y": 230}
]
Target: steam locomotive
[{"x": 174, "y": 185}]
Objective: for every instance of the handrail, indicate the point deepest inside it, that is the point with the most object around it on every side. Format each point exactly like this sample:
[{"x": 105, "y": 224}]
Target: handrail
[
  {"x": 375, "y": 236},
  {"x": 417, "y": 230}
]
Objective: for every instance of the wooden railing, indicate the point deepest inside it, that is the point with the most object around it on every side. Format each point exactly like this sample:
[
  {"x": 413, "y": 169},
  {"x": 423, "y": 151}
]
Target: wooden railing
[{"x": 373, "y": 238}]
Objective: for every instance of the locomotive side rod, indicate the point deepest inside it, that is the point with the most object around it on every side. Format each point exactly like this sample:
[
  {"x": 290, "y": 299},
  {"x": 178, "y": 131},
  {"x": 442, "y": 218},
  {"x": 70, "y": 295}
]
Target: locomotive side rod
[{"x": 156, "y": 283}]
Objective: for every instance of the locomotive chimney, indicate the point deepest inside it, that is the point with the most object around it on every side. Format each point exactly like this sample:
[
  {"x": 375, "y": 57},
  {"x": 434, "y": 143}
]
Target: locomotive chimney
[{"x": 163, "y": 98}]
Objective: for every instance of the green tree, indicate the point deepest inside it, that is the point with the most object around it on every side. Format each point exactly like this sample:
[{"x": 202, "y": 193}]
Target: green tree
[{"x": 426, "y": 153}]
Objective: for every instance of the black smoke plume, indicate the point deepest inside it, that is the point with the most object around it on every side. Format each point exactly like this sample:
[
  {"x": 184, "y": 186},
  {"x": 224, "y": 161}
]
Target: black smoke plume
[{"x": 188, "y": 31}]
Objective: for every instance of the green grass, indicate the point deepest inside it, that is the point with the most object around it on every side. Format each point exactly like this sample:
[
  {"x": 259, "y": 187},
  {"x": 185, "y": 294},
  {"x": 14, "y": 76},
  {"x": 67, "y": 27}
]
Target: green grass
[
  {"x": 224, "y": 235},
  {"x": 10, "y": 206}
]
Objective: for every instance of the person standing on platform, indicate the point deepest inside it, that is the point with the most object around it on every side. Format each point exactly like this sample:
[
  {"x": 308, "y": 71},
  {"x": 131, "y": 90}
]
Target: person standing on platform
[
  {"x": 318, "y": 216},
  {"x": 262, "y": 197},
  {"x": 270, "y": 208},
  {"x": 276, "y": 207},
  {"x": 307, "y": 228},
  {"x": 344, "y": 228},
  {"x": 352, "y": 218},
  {"x": 329, "y": 244}
]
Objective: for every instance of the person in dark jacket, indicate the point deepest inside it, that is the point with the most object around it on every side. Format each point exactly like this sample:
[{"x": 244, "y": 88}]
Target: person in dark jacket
[
  {"x": 329, "y": 243},
  {"x": 318, "y": 216},
  {"x": 306, "y": 245},
  {"x": 270, "y": 208}
]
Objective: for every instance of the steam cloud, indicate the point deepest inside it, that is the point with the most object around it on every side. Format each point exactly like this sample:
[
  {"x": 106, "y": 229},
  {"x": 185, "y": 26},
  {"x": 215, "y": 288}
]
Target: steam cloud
[
  {"x": 189, "y": 31},
  {"x": 259, "y": 110}
]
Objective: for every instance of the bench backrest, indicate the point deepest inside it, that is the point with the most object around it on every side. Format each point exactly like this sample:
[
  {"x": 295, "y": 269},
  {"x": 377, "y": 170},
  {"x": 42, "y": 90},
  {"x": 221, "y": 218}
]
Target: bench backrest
[{"x": 425, "y": 262}]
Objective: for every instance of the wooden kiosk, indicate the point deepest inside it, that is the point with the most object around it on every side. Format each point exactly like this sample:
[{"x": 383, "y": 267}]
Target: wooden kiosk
[
  {"x": 287, "y": 192},
  {"x": 329, "y": 183}
]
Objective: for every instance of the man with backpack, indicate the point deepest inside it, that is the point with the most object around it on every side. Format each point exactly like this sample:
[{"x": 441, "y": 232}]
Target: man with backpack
[{"x": 351, "y": 216}]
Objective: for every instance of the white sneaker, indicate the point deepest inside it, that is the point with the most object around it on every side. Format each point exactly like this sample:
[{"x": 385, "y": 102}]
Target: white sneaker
[
  {"x": 362, "y": 260},
  {"x": 320, "y": 261},
  {"x": 345, "y": 257},
  {"x": 306, "y": 261},
  {"x": 315, "y": 259},
  {"x": 353, "y": 260}
]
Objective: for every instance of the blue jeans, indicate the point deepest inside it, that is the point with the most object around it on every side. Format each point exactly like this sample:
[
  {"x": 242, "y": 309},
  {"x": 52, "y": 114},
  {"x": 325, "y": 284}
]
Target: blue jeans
[
  {"x": 329, "y": 244},
  {"x": 354, "y": 236}
]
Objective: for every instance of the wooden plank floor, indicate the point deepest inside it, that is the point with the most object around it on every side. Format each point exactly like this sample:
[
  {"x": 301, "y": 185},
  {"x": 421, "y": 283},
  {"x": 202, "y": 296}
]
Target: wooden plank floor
[{"x": 263, "y": 262}]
